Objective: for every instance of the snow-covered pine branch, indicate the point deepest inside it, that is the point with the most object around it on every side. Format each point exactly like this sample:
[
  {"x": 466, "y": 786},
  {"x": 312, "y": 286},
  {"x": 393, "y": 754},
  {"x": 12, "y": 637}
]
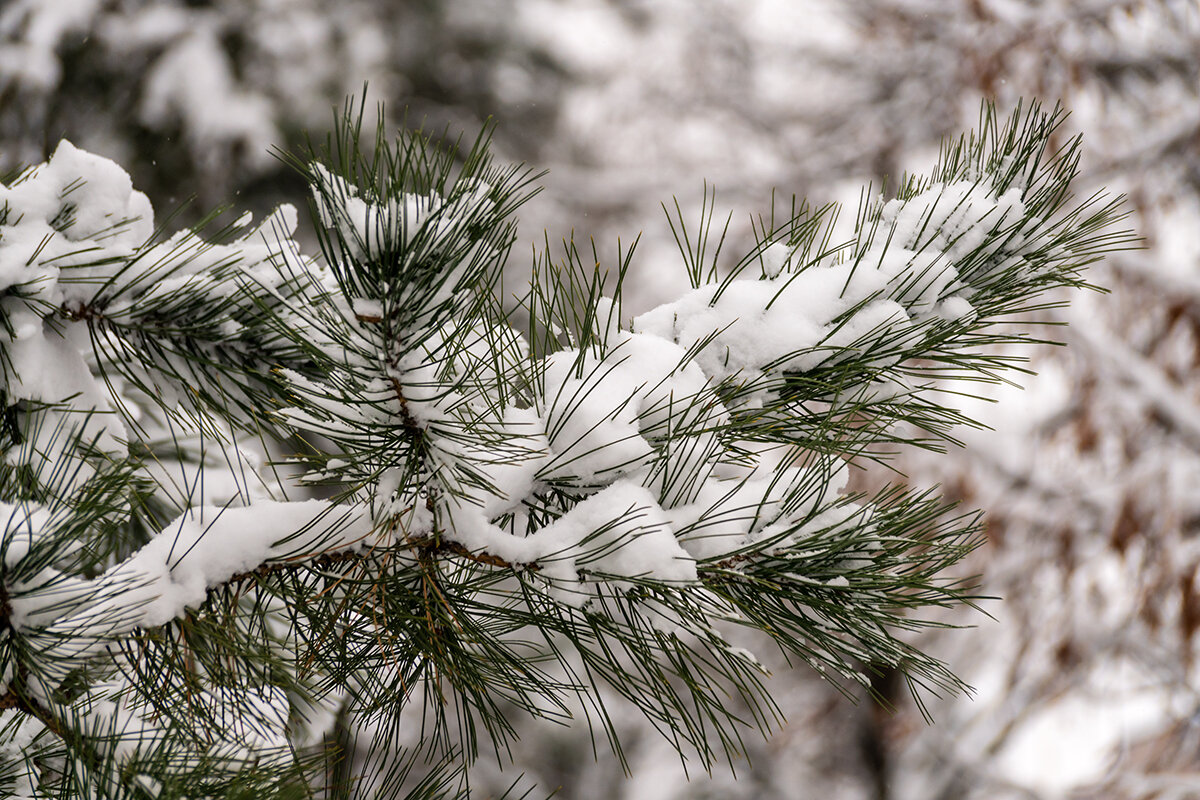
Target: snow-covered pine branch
[{"x": 518, "y": 513}]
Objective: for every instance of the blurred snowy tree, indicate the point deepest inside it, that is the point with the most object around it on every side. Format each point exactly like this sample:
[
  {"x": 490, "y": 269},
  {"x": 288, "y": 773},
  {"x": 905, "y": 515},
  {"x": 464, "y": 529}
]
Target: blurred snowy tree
[
  {"x": 1087, "y": 682},
  {"x": 196, "y": 94},
  {"x": 515, "y": 517}
]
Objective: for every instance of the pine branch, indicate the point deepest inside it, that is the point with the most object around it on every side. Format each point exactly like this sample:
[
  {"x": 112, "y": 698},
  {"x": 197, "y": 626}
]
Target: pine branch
[{"x": 519, "y": 515}]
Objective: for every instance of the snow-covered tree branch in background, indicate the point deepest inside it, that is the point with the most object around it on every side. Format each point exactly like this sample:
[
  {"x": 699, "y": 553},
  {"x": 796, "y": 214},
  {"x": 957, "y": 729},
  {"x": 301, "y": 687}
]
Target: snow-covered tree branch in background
[{"x": 521, "y": 504}]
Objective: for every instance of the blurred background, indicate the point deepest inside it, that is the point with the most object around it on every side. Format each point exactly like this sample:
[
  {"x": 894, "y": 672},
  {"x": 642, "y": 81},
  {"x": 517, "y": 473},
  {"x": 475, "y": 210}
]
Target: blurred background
[{"x": 1085, "y": 676}]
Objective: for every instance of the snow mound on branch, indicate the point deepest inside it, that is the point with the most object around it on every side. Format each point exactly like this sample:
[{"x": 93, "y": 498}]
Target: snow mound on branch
[
  {"x": 205, "y": 547},
  {"x": 604, "y": 413},
  {"x": 56, "y": 221},
  {"x": 74, "y": 237},
  {"x": 372, "y": 228},
  {"x": 796, "y": 319},
  {"x": 63, "y": 214},
  {"x": 620, "y": 532}
]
